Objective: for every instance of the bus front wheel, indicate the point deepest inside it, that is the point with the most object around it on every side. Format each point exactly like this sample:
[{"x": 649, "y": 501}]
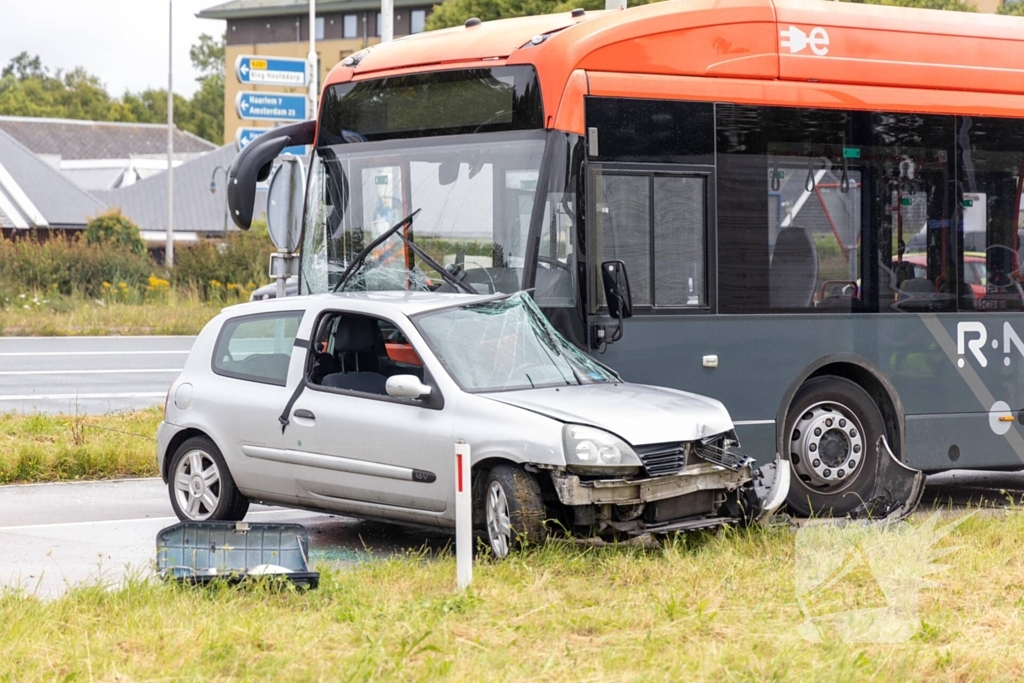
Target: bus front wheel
[{"x": 831, "y": 431}]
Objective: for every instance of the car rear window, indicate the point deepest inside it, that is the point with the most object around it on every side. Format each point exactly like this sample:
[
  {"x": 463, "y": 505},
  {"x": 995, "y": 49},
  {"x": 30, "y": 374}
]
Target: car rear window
[{"x": 257, "y": 348}]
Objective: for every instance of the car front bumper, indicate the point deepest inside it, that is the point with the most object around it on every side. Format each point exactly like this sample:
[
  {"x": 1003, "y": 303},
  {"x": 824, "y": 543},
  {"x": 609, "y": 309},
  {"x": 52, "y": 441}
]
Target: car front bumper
[
  {"x": 697, "y": 477},
  {"x": 702, "y": 495}
]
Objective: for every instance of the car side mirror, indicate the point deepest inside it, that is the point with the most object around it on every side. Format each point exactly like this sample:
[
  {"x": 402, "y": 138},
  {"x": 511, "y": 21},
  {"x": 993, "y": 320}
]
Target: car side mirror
[
  {"x": 406, "y": 386},
  {"x": 616, "y": 289}
]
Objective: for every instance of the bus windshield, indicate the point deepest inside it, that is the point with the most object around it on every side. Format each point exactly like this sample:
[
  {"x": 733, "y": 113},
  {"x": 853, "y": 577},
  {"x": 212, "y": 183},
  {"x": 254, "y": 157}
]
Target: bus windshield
[{"x": 492, "y": 194}]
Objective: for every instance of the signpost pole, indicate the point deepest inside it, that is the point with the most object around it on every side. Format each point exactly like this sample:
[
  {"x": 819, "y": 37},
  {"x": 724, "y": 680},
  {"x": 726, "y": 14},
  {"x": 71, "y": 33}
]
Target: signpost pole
[
  {"x": 463, "y": 515},
  {"x": 313, "y": 72}
]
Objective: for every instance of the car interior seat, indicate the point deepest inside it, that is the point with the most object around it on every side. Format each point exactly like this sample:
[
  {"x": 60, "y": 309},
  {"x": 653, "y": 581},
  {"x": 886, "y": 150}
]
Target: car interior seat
[
  {"x": 794, "y": 269},
  {"x": 358, "y": 347}
]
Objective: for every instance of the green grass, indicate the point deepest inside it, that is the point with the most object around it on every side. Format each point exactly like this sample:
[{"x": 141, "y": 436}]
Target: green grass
[
  {"x": 712, "y": 607},
  {"x": 38, "y": 447},
  {"x": 176, "y": 313}
]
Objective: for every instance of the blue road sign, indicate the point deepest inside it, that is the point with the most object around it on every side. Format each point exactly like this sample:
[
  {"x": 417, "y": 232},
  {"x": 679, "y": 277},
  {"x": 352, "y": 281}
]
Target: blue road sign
[
  {"x": 243, "y": 136},
  {"x": 270, "y": 106},
  {"x": 270, "y": 70}
]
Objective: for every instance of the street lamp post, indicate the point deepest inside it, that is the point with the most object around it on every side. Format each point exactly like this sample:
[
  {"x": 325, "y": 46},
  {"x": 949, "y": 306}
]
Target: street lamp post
[
  {"x": 169, "y": 248},
  {"x": 213, "y": 190}
]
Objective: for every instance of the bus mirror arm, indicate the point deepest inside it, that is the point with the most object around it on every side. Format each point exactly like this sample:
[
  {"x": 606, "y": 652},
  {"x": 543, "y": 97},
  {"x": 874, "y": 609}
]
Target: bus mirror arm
[{"x": 253, "y": 164}]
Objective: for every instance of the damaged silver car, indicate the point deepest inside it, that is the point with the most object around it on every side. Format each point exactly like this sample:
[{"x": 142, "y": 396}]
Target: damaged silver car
[{"x": 352, "y": 403}]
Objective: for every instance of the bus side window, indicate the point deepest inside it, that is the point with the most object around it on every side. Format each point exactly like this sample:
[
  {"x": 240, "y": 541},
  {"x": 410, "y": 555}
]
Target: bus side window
[
  {"x": 991, "y": 212},
  {"x": 855, "y": 207}
]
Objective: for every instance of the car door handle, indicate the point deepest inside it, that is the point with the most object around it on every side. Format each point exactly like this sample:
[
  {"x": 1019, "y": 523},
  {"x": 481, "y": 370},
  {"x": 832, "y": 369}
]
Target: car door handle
[{"x": 304, "y": 414}]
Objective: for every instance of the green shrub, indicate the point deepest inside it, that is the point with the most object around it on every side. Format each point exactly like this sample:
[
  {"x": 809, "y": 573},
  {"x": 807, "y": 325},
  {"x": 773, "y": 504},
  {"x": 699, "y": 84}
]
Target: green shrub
[
  {"x": 211, "y": 267},
  {"x": 113, "y": 228},
  {"x": 69, "y": 265}
]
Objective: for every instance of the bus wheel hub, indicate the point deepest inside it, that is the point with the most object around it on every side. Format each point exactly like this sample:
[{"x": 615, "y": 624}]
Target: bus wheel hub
[{"x": 828, "y": 442}]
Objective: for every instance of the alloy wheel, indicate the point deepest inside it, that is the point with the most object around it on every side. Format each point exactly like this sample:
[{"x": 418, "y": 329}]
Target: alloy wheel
[
  {"x": 197, "y": 485},
  {"x": 499, "y": 529}
]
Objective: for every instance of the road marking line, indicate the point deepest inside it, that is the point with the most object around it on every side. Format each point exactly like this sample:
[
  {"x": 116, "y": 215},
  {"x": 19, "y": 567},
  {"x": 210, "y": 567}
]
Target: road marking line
[
  {"x": 26, "y": 354},
  {"x": 118, "y": 371},
  {"x": 281, "y": 511},
  {"x": 61, "y": 397}
]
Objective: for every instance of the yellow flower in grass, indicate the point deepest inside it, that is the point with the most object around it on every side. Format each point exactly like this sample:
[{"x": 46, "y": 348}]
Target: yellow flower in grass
[
  {"x": 122, "y": 286},
  {"x": 216, "y": 284},
  {"x": 158, "y": 283},
  {"x": 106, "y": 285}
]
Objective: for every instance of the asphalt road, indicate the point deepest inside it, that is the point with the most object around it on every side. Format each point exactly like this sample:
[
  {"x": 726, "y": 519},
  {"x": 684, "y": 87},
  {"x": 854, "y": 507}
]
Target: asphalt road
[
  {"x": 99, "y": 374},
  {"x": 57, "y": 535},
  {"x": 54, "y": 536}
]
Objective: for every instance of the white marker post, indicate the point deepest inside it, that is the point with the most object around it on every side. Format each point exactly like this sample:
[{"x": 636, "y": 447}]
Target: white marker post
[{"x": 463, "y": 515}]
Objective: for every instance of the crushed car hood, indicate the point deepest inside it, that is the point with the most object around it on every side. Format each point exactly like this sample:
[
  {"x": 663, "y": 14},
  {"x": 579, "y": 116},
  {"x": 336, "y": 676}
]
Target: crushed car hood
[{"x": 638, "y": 413}]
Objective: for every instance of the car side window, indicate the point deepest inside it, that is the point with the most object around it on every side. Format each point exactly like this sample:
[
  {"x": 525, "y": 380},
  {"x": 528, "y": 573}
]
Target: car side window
[
  {"x": 359, "y": 353},
  {"x": 257, "y": 348}
]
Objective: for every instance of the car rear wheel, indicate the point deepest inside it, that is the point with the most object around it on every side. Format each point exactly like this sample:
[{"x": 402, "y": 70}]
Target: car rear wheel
[
  {"x": 513, "y": 509},
  {"x": 200, "y": 485},
  {"x": 831, "y": 432}
]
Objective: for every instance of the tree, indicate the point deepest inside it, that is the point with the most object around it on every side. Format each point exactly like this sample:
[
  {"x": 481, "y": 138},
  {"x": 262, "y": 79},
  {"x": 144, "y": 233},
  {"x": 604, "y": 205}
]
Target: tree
[
  {"x": 1013, "y": 8},
  {"x": 27, "y": 88},
  {"x": 952, "y": 5},
  {"x": 455, "y": 12},
  {"x": 24, "y": 67},
  {"x": 206, "y": 110},
  {"x": 113, "y": 228},
  {"x": 208, "y": 56}
]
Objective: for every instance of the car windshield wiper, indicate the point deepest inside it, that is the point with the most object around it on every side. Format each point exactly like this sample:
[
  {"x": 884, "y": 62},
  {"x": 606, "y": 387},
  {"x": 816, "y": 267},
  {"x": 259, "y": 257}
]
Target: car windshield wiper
[{"x": 361, "y": 256}]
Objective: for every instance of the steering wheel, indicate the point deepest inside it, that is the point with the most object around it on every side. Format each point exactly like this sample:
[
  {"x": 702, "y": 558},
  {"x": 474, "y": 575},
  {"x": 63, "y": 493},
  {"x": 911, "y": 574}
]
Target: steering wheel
[{"x": 555, "y": 263}]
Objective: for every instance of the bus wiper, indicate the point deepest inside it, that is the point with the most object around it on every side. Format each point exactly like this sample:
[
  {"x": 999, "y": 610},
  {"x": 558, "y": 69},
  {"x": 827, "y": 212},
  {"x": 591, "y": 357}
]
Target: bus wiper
[{"x": 361, "y": 256}]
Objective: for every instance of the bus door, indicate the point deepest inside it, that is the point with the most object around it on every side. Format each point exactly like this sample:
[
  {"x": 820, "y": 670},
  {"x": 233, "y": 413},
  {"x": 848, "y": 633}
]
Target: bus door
[{"x": 656, "y": 220}]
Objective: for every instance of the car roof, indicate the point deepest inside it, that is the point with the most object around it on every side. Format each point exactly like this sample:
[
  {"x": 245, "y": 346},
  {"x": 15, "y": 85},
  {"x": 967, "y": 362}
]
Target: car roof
[{"x": 393, "y": 302}]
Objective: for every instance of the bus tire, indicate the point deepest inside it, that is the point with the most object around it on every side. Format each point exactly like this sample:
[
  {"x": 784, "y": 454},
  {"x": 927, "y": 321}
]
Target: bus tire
[{"x": 831, "y": 430}]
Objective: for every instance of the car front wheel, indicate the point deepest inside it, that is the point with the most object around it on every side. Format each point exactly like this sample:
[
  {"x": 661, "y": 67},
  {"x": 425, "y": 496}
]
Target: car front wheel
[
  {"x": 200, "y": 485},
  {"x": 514, "y": 510}
]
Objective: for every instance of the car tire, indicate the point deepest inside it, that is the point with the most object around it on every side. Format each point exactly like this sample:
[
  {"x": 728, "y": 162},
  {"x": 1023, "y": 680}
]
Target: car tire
[
  {"x": 832, "y": 424},
  {"x": 513, "y": 510},
  {"x": 200, "y": 485}
]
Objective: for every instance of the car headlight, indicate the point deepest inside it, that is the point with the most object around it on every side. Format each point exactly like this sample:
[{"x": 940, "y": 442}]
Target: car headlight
[{"x": 589, "y": 447}]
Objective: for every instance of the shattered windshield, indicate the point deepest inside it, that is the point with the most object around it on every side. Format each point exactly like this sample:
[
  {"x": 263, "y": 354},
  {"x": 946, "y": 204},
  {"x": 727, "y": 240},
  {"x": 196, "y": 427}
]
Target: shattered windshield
[
  {"x": 474, "y": 200},
  {"x": 506, "y": 344},
  {"x": 482, "y": 206}
]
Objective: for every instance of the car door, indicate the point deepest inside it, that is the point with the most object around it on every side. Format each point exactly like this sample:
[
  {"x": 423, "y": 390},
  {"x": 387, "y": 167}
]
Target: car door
[
  {"x": 360, "y": 451},
  {"x": 253, "y": 376}
]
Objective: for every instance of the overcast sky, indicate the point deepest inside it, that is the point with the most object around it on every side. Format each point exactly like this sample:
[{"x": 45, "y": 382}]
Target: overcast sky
[{"x": 124, "y": 42}]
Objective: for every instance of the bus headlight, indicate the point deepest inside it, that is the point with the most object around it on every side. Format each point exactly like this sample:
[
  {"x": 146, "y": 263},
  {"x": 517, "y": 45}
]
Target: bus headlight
[{"x": 589, "y": 447}]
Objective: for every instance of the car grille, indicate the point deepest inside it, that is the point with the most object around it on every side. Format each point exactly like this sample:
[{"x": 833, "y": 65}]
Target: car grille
[{"x": 661, "y": 459}]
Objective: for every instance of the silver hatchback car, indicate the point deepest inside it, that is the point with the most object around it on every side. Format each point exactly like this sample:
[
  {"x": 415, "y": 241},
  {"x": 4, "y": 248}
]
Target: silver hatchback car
[{"x": 352, "y": 403}]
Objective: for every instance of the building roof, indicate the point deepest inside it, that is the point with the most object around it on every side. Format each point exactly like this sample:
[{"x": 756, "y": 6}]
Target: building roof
[
  {"x": 74, "y": 139},
  {"x": 34, "y": 194},
  {"x": 196, "y": 209},
  {"x": 241, "y": 9}
]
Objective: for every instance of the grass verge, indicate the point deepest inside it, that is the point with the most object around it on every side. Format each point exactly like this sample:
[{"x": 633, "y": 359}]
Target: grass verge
[
  {"x": 74, "y": 316},
  {"x": 711, "y": 607},
  {"x": 39, "y": 447}
]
